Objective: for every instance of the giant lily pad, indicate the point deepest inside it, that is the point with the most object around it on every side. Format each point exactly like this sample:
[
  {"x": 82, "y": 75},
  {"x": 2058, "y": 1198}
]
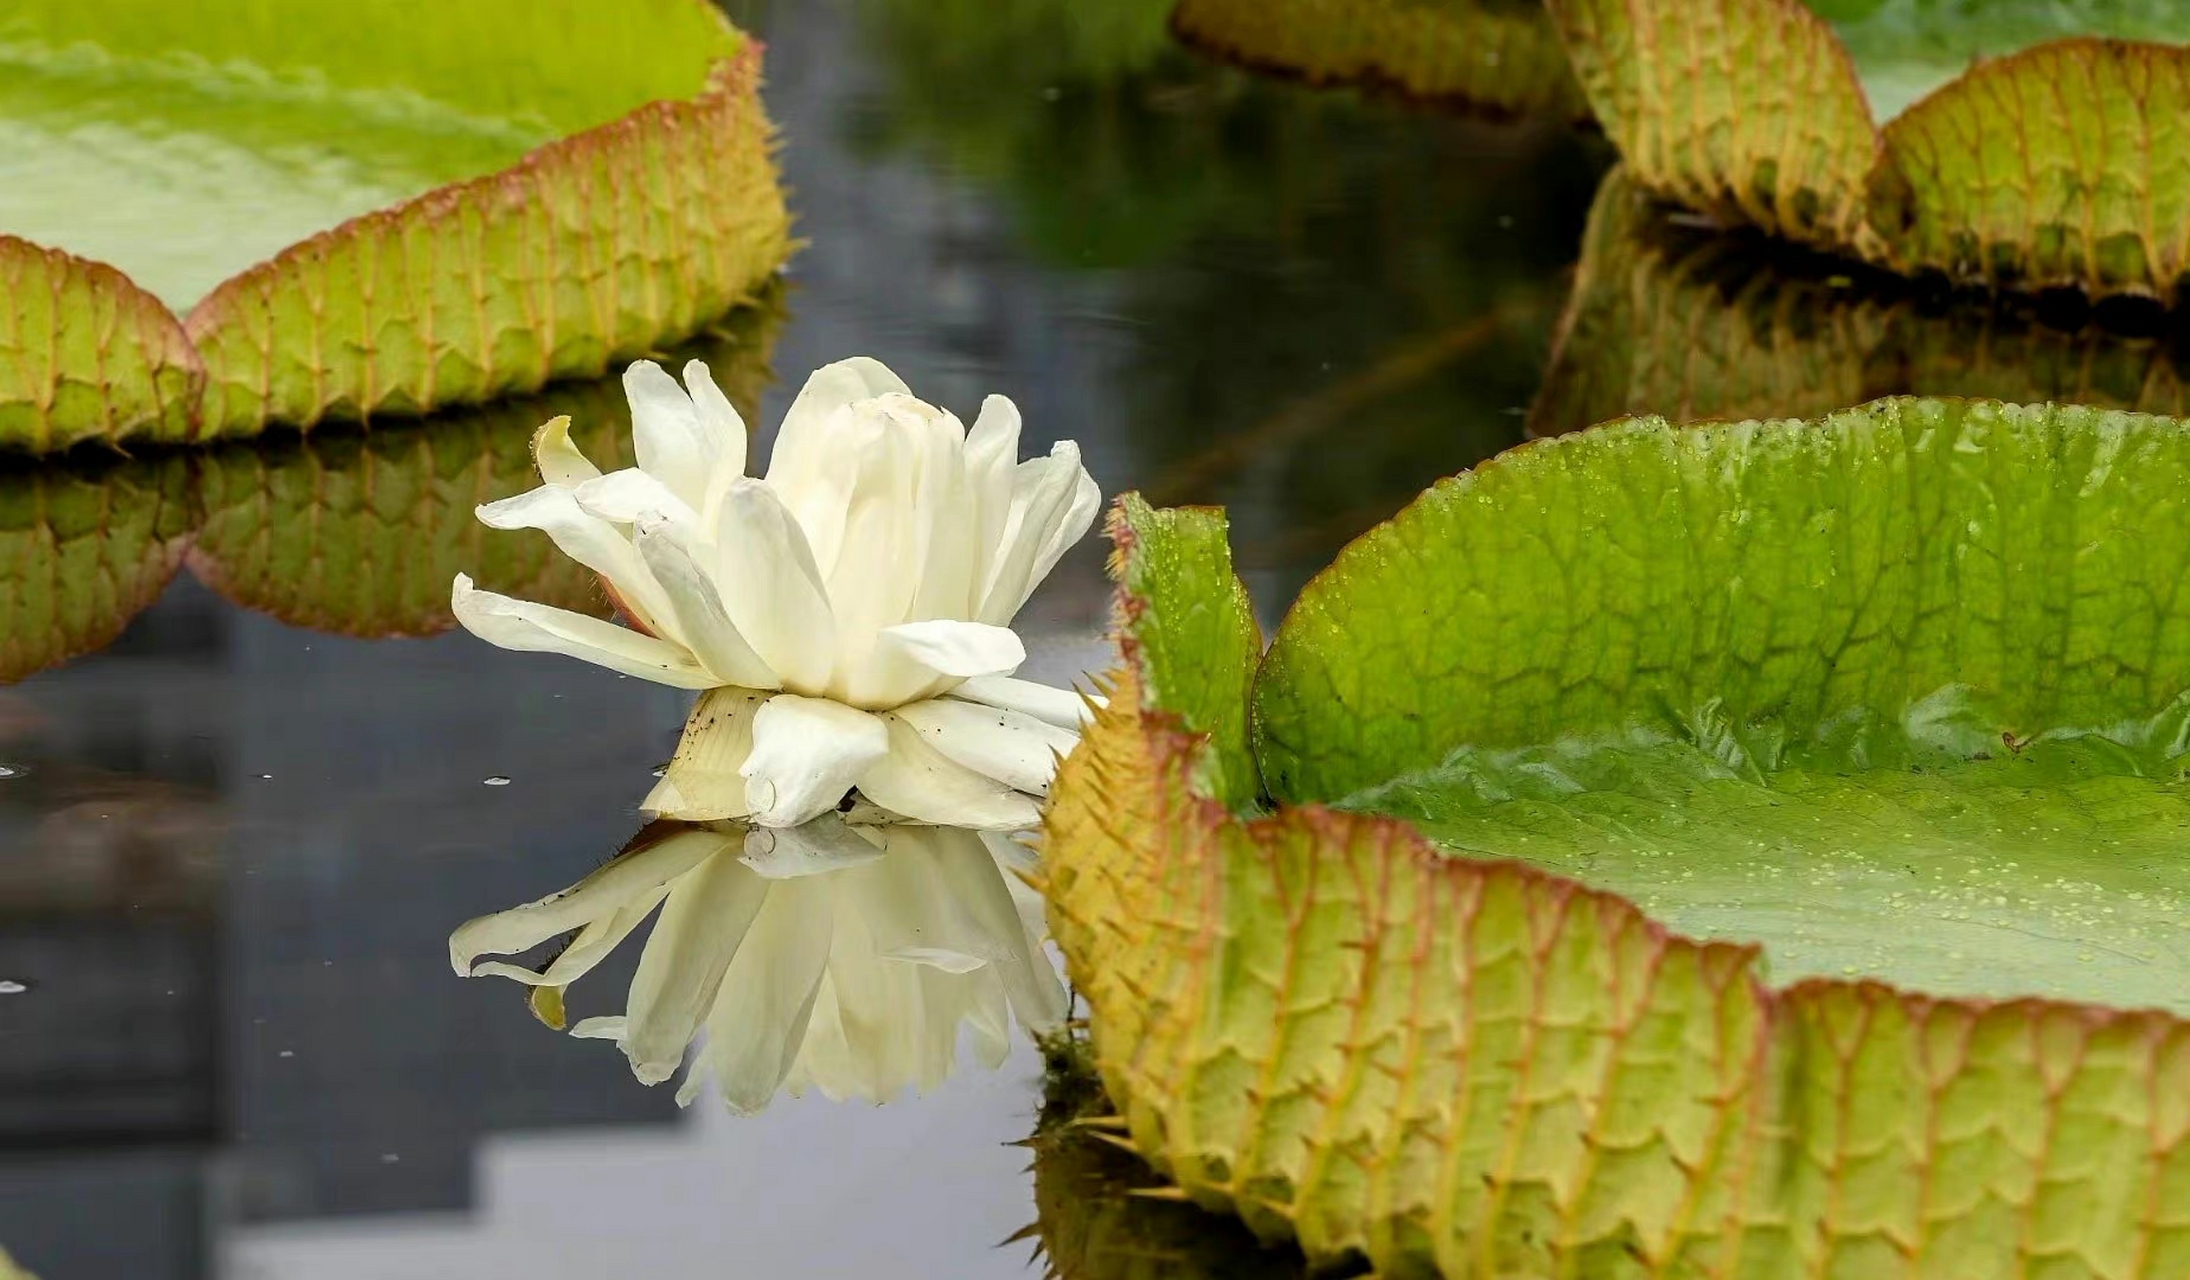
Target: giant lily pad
[
  {"x": 451, "y": 202},
  {"x": 2050, "y": 166},
  {"x": 1671, "y": 319},
  {"x": 1753, "y": 849}
]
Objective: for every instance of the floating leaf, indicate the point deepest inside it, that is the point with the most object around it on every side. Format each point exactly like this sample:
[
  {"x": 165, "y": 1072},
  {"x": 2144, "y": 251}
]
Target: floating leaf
[
  {"x": 597, "y": 181},
  {"x": 1501, "y": 56},
  {"x": 1690, "y": 324},
  {"x": 84, "y": 547},
  {"x": 1764, "y": 663},
  {"x": 362, "y": 533},
  {"x": 85, "y": 354},
  {"x": 2052, "y": 166}
]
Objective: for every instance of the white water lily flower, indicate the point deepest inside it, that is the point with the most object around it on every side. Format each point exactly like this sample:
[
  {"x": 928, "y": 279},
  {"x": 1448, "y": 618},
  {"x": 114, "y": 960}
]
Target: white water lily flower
[
  {"x": 836, "y": 957},
  {"x": 849, "y": 614}
]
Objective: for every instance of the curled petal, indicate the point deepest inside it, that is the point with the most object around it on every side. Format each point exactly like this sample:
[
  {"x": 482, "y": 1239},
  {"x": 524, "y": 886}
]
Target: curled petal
[
  {"x": 962, "y": 649},
  {"x": 1065, "y": 708},
  {"x": 520, "y": 624},
  {"x": 719, "y": 419},
  {"x": 672, "y": 443},
  {"x": 992, "y": 453},
  {"x": 1053, "y": 501},
  {"x": 623, "y": 496},
  {"x": 702, "y": 782},
  {"x": 701, "y": 621},
  {"x": 807, "y": 752},
  {"x": 587, "y": 539},
  {"x": 561, "y": 463},
  {"x": 640, "y": 876},
  {"x": 1017, "y": 750},
  {"x": 921, "y": 783}
]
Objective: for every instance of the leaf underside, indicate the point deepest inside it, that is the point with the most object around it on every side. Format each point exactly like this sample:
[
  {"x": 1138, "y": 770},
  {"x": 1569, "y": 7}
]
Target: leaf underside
[
  {"x": 1493, "y": 56},
  {"x": 568, "y": 222},
  {"x": 1325, "y": 1023},
  {"x": 1694, "y": 325}
]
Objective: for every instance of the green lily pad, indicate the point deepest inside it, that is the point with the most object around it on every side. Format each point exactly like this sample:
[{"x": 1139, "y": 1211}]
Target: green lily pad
[
  {"x": 1496, "y": 56},
  {"x": 1894, "y": 699},
  {"x": 1670, "y": 319},
  {"x": 361, "y": 534},
  {"x": 391, "y": 207},
  {"x": 2049, "y": 166},
  {"x": 84, "y": 547}
]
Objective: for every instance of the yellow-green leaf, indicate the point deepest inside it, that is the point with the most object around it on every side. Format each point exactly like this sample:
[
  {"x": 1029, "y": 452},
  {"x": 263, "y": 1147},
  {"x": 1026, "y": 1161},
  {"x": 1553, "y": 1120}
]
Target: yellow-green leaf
[
  {"x": 85, "y": 545},
  {"x": 362, "y": 533},
  {"x": 87, "y": 355}
]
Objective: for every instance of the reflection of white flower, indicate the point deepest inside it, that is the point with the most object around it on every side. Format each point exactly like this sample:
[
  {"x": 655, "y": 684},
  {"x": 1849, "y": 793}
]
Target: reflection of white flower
[
  {"x": 849, "y": 612},
  {"x": 833, "y": 956}
]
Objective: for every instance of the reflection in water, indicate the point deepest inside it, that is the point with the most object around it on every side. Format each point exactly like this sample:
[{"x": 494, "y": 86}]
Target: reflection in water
[
  {"x": 1324, "y": 303},
  {"x": 843, "y": 956},
  {"x": 1101, "y": 1214},
  {"x": 351, "y": 532},
  {"x": 84, "y": 546},
  {"x": 1693, "y": 323}
]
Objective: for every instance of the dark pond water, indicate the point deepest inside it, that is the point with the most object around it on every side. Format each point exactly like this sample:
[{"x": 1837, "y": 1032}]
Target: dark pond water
[{"x": 237, "y": 836}]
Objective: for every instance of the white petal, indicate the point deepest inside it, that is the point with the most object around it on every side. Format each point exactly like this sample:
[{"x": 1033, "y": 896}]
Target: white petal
[
  {"x": 1065, "y": 708},
  {"x": 921, "y": 783},
  {"x": 980, "y": 890},
  {"x": 807, "y": 752},
  {"x": 1045, "y": 494},
  {"x": 558, "y": 458},
  {"x": 1071, "y": 525},
  {"x": 520, "y": 624},
  {"x": 701, "y": 622},
  {"x": 632, "y": 878},
  {"x": 772, "y": 588},
  {"x": 701, "y": 926},
  {"x": 623, "y": 496},
  {"x": 802, "y": 449},
  {"x": 766, "y": 1001},
  {"x": 666, "y": 432},
  {"x": 814, "y": 848},
  {"x": 610, "y": 1027},
  {"x": 592, "y": 945},
  {"x": 702, "y": 782},
  {"x": 992, "y": 453},
  {"x": 1017, "y": 750},
  {"x": 588, "y": 539},
  {"x": 719, "y": 418},
  {"x": 962, "y": 649}
]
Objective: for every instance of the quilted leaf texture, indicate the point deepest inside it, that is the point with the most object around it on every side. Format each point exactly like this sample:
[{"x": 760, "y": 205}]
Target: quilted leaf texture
[
  {"x": 1748, "y": 110},
  {"x": 2067, "y": 164},
  {"x": 360, "y": 534},
  {"x": 1493, "y": 56},
  {"x": 87, "y": 355},
  {"x": 1696, "y": 325},
  {"x": 85, "y": 545},
  {"x": 593, "y": 250},
  {"x": 1472, "y": 1067}
]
